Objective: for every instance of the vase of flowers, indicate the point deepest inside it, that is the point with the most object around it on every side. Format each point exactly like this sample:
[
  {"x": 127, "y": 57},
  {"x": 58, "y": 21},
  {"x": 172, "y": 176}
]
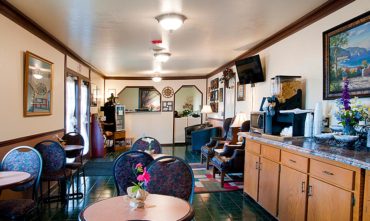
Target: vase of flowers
[
  {"x": 350, "y": 111},
  {"x": 137, "y": 193}
]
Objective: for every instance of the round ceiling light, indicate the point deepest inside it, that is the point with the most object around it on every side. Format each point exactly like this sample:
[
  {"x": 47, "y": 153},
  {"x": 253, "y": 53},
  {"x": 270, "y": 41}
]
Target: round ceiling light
[
  {"x": 157, "y": 79},
  {"x": 171, "y": 21},
  {"x": 162, "y": 56}
]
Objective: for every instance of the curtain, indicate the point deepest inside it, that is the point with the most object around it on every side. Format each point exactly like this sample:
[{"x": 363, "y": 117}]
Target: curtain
[
  {"x": 71, "y": 120},
  {"x": 84, "y": 117}
]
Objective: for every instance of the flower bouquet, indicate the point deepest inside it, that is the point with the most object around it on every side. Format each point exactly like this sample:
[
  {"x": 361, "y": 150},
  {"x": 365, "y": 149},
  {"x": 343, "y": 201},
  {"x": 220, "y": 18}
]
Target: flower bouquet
[
  {"x": 137, "y": 193},
  {"x": 350, "y": 111}
]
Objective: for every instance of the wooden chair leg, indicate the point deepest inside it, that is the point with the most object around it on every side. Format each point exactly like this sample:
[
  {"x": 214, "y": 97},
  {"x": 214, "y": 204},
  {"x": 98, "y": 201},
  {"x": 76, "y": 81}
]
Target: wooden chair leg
[
  {"x": 207, "y": 163},
  {"x": 222, "y": 178},
  {"x": 201, "y": 158},
  {"x": 214, "y": 172}
]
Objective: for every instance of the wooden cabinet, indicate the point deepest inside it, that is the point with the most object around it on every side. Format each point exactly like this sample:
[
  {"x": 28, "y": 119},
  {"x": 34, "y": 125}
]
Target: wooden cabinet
[
  {"x": 292, "y": 195},
  {"x": 328, "y": 202},
  {"x": 251, "y": 175},
  {"x": 268, "y": 185}
]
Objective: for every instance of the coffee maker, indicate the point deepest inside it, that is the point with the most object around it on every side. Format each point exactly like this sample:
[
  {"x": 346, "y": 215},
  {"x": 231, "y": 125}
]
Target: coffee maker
[{"x": 287, "y": 95}]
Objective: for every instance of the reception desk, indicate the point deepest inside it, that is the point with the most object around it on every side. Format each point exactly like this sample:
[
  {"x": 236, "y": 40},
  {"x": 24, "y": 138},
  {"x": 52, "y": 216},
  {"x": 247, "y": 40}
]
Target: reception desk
[{"x": 302, "y": 180}]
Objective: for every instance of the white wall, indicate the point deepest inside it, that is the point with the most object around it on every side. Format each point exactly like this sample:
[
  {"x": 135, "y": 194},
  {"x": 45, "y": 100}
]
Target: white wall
[
  {"x": 14, "y": 41},
  {"x": 301, "y": 54},
  {"x": 77, "y": 67},
  {"x": 99, "y": 82},
  {"x": 158, "y": 125}
]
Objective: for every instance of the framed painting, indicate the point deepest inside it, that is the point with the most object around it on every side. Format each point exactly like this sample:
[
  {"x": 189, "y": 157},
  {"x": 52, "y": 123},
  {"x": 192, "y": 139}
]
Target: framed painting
[
  {"x": 240, "y": 93},
  {"x": 37, "y": 86},
  {"x": 221, "y": 95},
  {"x": 347, "y": 56},
  {"x": 167, "y": 106}
]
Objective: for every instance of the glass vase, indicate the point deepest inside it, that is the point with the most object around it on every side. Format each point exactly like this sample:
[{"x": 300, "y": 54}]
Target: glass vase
[{"x": 349, "y": 130}]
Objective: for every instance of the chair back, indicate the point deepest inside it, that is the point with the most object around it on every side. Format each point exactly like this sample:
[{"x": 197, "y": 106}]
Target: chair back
[
  {"x": 142, "y": 144},
  {"x": 25, "y": 159},
  {"x": 73, "y": 138},
  {"x": 171, "y": 176},
  {"x": 124, "y": 166},
  {"x": 53, "y": 156}
]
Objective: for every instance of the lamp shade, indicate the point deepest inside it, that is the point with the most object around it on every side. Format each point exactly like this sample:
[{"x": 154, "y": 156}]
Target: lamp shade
[
  {"x": 239, "y": 119},
  {"x": 206, "y": 109}
]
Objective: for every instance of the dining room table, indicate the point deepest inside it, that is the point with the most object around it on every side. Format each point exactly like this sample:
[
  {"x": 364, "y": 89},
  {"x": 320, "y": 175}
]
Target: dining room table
[
  {"x": 157, "y": 207},
  {"x": 10, "y": 179}
]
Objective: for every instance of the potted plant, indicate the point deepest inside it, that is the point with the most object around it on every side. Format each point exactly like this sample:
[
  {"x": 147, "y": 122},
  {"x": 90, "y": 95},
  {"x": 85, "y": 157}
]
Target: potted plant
[{"x": 227, "y": 74}]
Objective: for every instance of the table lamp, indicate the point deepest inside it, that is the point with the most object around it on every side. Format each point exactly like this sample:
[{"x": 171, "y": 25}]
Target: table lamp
[
  {"x": 240, "y": 118},
  {"x": 206, "y": 109}
]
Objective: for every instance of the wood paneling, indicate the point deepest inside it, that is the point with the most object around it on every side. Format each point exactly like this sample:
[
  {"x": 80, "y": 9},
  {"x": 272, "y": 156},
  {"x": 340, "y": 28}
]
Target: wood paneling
[
  {"x": 327, "y": 202},
  {"x": 253, "y": 147},
  {"x": 270, "y": 153},
  {"x": 292, "y": 195},
  {"x": 25, "y": 140}
]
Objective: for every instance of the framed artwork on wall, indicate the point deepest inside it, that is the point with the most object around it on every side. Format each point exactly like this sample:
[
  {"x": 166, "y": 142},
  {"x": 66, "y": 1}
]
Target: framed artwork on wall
[
  {"x": 214, "y": 84},
  {"x": 94, "y": 95},
  {"x": 37, "y": 86},
  {"x": 167, "y": 106},
  {"x": 240, "y": 93},
  {"x": 347, "y": 56},
  {"x": 214, "y": 107}
]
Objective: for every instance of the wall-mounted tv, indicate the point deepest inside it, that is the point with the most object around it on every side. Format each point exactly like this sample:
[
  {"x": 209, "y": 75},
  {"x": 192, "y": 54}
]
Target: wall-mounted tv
[{"x": 250, "y": 70}]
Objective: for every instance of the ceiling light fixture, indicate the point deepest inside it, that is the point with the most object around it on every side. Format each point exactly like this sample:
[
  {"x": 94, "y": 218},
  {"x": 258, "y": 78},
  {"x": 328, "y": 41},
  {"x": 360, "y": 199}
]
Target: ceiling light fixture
[
  {"x": 156, "y": 79},
  {"x": 171, "y": 21},
  {"x": 162, "y": 56}
]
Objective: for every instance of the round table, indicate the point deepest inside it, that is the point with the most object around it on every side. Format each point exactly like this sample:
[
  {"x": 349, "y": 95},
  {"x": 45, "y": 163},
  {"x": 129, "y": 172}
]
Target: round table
[
  {"x": 157, "y": 207},
  {"x": 9, "y": 179}
]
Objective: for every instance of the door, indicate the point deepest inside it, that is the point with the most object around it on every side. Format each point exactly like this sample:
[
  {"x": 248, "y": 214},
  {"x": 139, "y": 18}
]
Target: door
[
  {"x": 251, "y": 175},
  {"x": 268, "y": 185},
  {"x": 292, "y": 195},
  {"x": 327, "y": 202}
]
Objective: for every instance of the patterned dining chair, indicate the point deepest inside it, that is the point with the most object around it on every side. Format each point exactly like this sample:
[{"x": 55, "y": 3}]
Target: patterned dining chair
[
  {"x": 25, "y": 159},
  {"x": 142, "y": 144},
  {"x": 54, "y": 169},
  {"x": 74, "y": 138},
  {"x": 123, "y": 169},
  {"x": 171, "y": 176}
]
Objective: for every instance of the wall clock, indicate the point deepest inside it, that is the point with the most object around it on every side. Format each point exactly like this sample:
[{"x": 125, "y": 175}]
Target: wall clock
[{"x": 167, "y": 92}]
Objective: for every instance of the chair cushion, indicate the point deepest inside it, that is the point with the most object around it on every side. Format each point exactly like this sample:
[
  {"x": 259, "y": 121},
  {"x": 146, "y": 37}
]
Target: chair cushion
[
  {"x": 15, "y": 208},
  {"x": 58, "y": 175},
  {"x": 207, "y": 150},
  {"x": 221, "y": 162}
]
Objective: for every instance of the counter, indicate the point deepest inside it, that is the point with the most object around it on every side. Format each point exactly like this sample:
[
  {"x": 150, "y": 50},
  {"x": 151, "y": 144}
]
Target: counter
[{"x": 359, "y": 157}]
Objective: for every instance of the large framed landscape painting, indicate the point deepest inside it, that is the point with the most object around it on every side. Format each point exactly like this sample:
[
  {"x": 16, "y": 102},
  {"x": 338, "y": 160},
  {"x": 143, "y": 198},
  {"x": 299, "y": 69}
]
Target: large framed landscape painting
[{"x": 347, "y": 56}]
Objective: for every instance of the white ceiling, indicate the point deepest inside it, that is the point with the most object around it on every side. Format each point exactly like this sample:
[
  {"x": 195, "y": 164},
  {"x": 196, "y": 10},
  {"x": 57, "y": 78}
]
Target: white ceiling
[{"x": 115, "y": 35}]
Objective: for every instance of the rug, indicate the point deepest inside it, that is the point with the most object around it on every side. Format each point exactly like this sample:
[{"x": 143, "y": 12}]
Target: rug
[{"x": 205, "y": 183}]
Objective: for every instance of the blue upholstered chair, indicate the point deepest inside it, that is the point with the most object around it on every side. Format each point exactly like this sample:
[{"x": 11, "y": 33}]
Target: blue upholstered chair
[
  {"x": 25, "y": 159},
  {"x": 171, "y": 176},
  {"x": 123, "y": 168},
  {"x": 142, "y": 144},
  {"x": 54, "y": 169},
  {"x": 200, "y": 137}
]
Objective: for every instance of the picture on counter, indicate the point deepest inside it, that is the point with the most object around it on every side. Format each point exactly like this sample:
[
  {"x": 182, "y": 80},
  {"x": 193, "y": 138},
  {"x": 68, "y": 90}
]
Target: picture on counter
[
  {"x": 37, "y": 87},
  {"x": 167, "y": 106},
  {"x": 240, "y": 92},
  {"x": 214, "y": 84},
  {"x": 347, "y": 56},
  {"x": 221, "y": 95}
]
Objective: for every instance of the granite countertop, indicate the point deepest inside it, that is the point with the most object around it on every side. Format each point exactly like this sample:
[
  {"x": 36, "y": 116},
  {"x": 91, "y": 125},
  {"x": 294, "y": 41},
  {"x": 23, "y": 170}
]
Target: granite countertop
[{"x": 359, "y": 157}]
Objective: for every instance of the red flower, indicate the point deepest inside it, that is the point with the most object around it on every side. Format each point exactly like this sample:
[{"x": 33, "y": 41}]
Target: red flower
[{"x": 144, "y": 177}]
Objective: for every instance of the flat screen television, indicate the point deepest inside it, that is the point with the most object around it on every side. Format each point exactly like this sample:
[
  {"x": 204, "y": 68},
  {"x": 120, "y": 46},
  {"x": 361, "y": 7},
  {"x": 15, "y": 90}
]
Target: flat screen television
[{"x": 250, "y": 70}]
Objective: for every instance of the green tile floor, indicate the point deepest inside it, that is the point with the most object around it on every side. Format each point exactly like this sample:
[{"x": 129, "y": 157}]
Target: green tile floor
[{"x": 208, "y": 206}]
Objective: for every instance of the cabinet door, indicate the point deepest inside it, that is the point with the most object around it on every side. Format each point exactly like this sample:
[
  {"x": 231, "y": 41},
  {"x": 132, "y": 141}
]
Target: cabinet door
[
  {"x": 268, "y": 185},
  {"x": 251, "y": 175},
  {"x": 327, "y": 202},
  {"x": 292, "y": 195}
]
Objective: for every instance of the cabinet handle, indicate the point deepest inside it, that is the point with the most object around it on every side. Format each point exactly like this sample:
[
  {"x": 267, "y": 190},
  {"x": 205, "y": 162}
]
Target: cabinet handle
[
  {"x": 328, "y": 173},
  {"x": 309, "y": 193},
  {"x": 256, "y": 165},
  {"x": 293, "y": 161},
  {"x": 303, "y": 186}
]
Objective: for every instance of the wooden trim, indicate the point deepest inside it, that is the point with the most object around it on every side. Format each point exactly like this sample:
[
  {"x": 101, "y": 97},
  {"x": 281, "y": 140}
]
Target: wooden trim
[
  {"x": 72, "y": 72},
  {"x": 318, "y": 13},
  {"x": 149, "y": 78},
  {"x": 15, "y": 15},
  {"x": 65, "y": 91},
  {"x": 30, "y": 137}
]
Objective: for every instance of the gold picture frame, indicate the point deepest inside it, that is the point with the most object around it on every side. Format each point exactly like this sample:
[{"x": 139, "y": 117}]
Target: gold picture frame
[{"x": 37, "y": 86}]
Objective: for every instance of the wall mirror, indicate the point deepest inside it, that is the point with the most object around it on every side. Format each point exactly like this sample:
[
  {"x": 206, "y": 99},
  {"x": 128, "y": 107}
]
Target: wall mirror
[
  {"x": 140, "y": 99},
  {"x": 188, "y": 101}
]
